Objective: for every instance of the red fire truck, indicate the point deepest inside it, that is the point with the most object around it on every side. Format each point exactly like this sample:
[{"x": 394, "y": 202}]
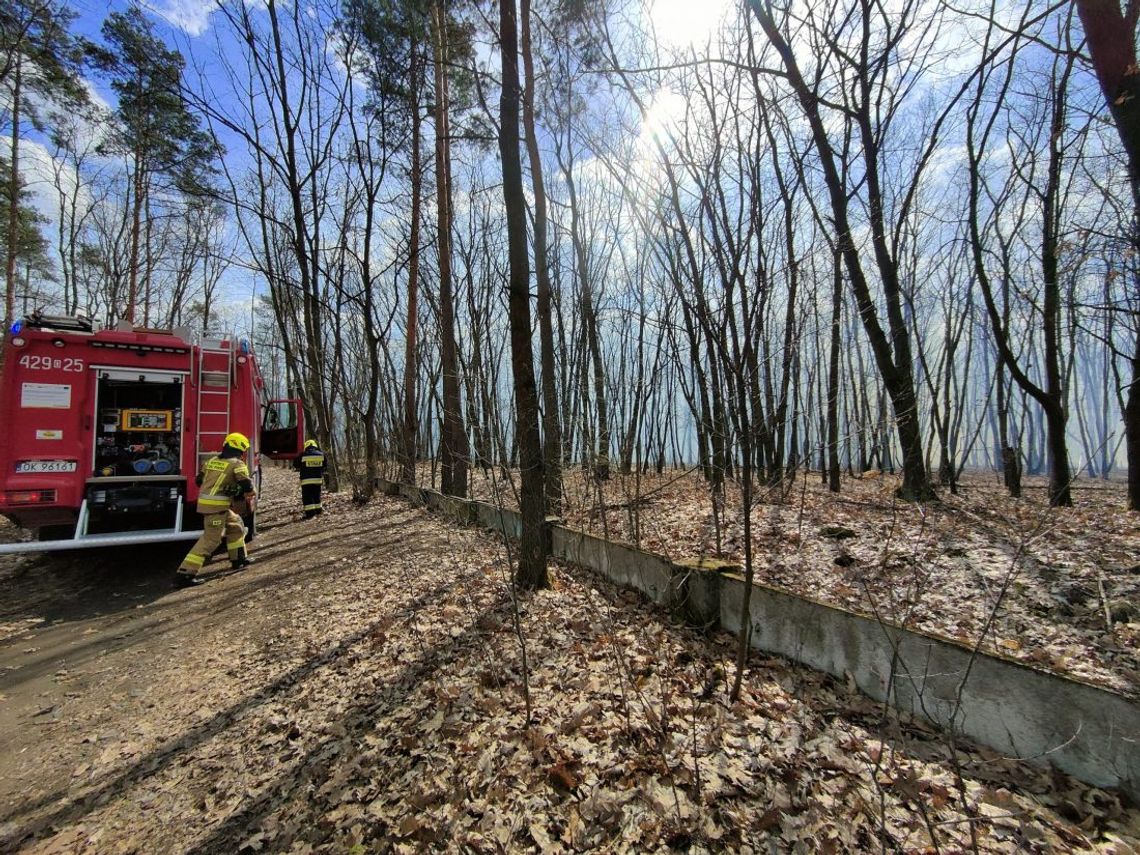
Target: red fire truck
[{"x": 103, "y": 431}]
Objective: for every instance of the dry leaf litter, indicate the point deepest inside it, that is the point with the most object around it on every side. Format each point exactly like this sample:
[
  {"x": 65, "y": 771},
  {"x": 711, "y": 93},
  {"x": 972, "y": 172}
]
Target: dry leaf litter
[
  {"x": 363, "y": 689},
  {"x": 1054, "y": 588}
]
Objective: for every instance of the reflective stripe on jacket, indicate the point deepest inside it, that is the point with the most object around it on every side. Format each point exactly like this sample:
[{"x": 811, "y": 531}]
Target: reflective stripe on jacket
[
  {"x": 311, "y": 465},
  {"x": 221, "y": 481}
]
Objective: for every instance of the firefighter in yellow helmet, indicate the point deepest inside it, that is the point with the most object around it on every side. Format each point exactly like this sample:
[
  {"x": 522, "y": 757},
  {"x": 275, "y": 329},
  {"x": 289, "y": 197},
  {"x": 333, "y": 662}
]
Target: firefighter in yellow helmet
[
  {"x": 222, "y": 479},
  {"x": 311, "y": 465}
]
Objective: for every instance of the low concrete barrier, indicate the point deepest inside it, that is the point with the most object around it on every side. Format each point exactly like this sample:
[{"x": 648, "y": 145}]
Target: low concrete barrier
[
  {"x": 1089, "y": 732},
  {"x": 457, "y": 510},
  {"x": 698, "y": 584},
  {"x": 498, "y": 519},
  {"x": 625, "y": 565},
  {"x": 415, "y": 495}
]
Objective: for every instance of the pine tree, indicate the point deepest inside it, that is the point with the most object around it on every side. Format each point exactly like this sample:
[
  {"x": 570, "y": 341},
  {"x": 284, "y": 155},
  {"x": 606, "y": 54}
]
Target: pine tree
[
  {"x": 39, "y": 57},
  {"x": 153, "y": 127},
  {"x": 405, "y": 38},
  {"x": 30, "y": 246}
]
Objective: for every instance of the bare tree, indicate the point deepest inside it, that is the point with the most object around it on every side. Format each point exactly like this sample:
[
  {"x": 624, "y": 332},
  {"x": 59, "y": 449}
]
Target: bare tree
[
  {"x": 290, "y": 108},
  {"x": 532, "y": 551},
  {"x": 1047, "y": 194},
  {"x": 454, "y": 435},
  {"x": 868, "y": 62},
  {"x": 1110, "y": 30},
  {"x": 551, "y": 422},
  {"x": 411, "y": 329}
]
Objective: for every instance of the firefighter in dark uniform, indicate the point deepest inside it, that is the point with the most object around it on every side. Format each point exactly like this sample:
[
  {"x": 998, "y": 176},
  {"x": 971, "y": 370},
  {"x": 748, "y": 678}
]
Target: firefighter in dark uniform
[
  {"x": 311, "y": 465},
  {"x": 222, "y": 480}
]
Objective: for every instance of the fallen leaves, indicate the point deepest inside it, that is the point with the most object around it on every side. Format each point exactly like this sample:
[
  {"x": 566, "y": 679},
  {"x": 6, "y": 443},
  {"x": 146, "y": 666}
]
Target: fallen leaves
[
  {"x": 381, "y": 706},
  {"x": 563, "y": 776},
  {"x": 978, "y": 567}
]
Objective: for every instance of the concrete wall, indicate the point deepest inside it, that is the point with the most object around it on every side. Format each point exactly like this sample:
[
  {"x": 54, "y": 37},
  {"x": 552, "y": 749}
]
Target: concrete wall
[
  {"x": 629, "y": 567},
  {"x": 498, "y": 519},
  {"x": 416, "y": 495},
  {"x": 1089, "y": 732}
]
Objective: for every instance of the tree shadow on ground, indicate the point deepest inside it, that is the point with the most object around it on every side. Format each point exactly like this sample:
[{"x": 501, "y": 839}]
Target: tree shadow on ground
[
  {"x": 135, "y": 606},
  {"x": 73, "y": 808},
  {"x": 72, "y": 586}
]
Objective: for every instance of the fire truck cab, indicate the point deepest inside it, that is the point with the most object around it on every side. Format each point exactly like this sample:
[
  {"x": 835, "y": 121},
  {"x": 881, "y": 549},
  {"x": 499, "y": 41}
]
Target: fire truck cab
[{"x": 102, "y": 432}]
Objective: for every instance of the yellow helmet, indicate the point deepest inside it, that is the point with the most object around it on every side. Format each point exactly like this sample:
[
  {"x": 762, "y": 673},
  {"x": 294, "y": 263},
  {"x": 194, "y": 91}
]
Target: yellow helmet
[
  {"x": 310, "y": 443},
  {"x": 238, "y": 441}
]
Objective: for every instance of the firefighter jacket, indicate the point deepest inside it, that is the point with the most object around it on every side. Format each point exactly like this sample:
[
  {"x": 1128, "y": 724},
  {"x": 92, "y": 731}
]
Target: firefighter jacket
[
  {"x": 222, "y": 479},
  {"x": 311, "y": 465}
]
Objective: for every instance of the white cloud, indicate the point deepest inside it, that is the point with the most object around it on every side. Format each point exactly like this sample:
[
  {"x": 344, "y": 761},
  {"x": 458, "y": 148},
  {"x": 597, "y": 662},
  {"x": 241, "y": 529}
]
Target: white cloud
[
  {"x": 39, "y": 168},
  {"x": 683, "y": 24},
  {"x": 86, "y": 128},
  {"x": 191, "y": 16},
  {"x": 36, "y": 167},
  {"x": 93, "y": 95}
]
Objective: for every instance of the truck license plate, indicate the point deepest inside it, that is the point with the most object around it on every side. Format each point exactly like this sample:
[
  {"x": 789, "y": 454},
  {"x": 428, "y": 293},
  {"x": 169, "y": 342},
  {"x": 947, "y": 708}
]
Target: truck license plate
[{"x": 46, "y": 466}]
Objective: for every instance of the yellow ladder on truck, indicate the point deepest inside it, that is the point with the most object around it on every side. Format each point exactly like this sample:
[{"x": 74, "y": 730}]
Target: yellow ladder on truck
[{"x": 215, "y": 385}]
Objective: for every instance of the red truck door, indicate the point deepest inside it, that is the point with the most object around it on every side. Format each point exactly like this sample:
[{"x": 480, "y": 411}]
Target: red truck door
[{"x": 283, "y": 429}]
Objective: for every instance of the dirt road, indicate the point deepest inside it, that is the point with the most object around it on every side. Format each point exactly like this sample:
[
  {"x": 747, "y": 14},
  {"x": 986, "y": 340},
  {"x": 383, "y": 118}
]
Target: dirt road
[{"x": 117, "y": 689}]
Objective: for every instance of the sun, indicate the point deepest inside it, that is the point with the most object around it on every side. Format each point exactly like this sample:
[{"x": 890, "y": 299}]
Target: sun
[{"x": 664, "y": 113}]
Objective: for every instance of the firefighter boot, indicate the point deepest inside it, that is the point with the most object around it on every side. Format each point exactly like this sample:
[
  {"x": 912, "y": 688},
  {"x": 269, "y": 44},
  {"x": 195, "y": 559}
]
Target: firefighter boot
[
  {"x": 186, "y": 580},
  {"x": 240, "y": 559}
]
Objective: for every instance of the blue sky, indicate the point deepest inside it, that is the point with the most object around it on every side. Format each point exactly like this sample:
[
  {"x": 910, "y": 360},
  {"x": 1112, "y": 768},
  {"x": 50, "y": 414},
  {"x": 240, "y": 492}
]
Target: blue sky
[
  {"x": 677, "y": 22},
  {"x": 191, "y": 16},
  {"x": 187, "y": 25},
  {"x": 36, "y": 160},
  {"x": 175, "y": 20}
]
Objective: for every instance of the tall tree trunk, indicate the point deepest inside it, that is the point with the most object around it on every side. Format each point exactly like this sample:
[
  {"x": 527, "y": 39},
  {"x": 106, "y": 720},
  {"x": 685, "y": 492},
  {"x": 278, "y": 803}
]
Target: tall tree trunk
[
  {"x": 148, "y": 267},
  {"x": 599, "y": 459},
  {"x": 532, "y": 552},
  {"x": 408, "y": 443},
  {"x": 1056, "y": 416},
  {"x": 371, "y": 337},
  {"x": 454, "y": 464},
  {"x": 833, "y": 377},
  {"x": 1111, "y": 36},
  {"x": 13, "y": 205},
  {"x": 551, "y": 426},
  {"x": 136, "y": 226},
  {"x": 1132, "y": 431}
]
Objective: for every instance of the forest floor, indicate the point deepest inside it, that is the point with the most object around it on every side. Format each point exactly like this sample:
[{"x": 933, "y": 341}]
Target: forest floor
[
  {"x": 363, "y": 688},
  {"x": 1054, "y": 588}
]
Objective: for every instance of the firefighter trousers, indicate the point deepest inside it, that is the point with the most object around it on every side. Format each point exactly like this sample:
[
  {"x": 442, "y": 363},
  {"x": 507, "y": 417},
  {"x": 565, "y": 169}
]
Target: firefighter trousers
[
  {"x": 215, "y": 526},
  {"x": 311, "y": 498}
]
